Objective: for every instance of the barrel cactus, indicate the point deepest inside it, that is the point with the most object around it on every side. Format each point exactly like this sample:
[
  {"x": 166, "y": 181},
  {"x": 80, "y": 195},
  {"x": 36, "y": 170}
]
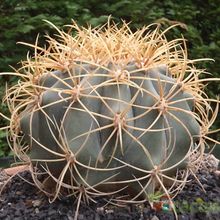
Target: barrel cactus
[{"x": 108, "y": 111}]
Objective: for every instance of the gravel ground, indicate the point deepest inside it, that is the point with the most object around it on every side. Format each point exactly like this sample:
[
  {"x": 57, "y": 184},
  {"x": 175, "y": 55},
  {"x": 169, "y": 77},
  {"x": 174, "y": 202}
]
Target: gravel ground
[{"x": 21, "y": 201}]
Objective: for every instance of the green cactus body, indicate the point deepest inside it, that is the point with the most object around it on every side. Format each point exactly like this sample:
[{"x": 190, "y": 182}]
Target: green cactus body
[
  {"x": 117, "y": 115},
  {"x": 106, "y": 123}
]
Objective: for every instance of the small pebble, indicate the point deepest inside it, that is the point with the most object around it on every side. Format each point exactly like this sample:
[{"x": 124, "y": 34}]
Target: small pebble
[{"x": 28, "y": 203}]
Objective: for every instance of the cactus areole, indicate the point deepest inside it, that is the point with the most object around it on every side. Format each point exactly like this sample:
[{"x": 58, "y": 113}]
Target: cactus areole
[{"x": 108, "y": 111}]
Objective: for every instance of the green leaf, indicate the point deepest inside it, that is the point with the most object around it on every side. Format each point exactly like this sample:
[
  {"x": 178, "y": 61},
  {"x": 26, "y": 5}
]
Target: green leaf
[{"x": 26, "y": 29}]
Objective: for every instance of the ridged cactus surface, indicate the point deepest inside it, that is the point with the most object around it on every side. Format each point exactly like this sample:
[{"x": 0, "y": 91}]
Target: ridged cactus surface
[{"x": 110, "y": 111}]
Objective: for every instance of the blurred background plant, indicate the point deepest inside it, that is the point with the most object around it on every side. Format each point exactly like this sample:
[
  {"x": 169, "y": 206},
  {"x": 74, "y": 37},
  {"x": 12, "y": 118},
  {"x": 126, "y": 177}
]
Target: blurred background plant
[{"x": 22, "y": 20}]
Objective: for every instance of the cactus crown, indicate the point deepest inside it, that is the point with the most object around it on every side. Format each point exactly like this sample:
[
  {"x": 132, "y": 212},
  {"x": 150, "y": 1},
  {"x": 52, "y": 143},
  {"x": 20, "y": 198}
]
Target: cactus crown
[{"x": 110, "y": 111}]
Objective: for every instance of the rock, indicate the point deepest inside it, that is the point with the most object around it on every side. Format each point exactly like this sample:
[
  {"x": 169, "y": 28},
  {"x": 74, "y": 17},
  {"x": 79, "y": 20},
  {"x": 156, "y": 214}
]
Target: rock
[{"x": 28, "y": 203}]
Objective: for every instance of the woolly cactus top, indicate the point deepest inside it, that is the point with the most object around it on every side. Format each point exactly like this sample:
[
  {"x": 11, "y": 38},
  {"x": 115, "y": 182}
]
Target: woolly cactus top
[{"x": 147, "y": 47}]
